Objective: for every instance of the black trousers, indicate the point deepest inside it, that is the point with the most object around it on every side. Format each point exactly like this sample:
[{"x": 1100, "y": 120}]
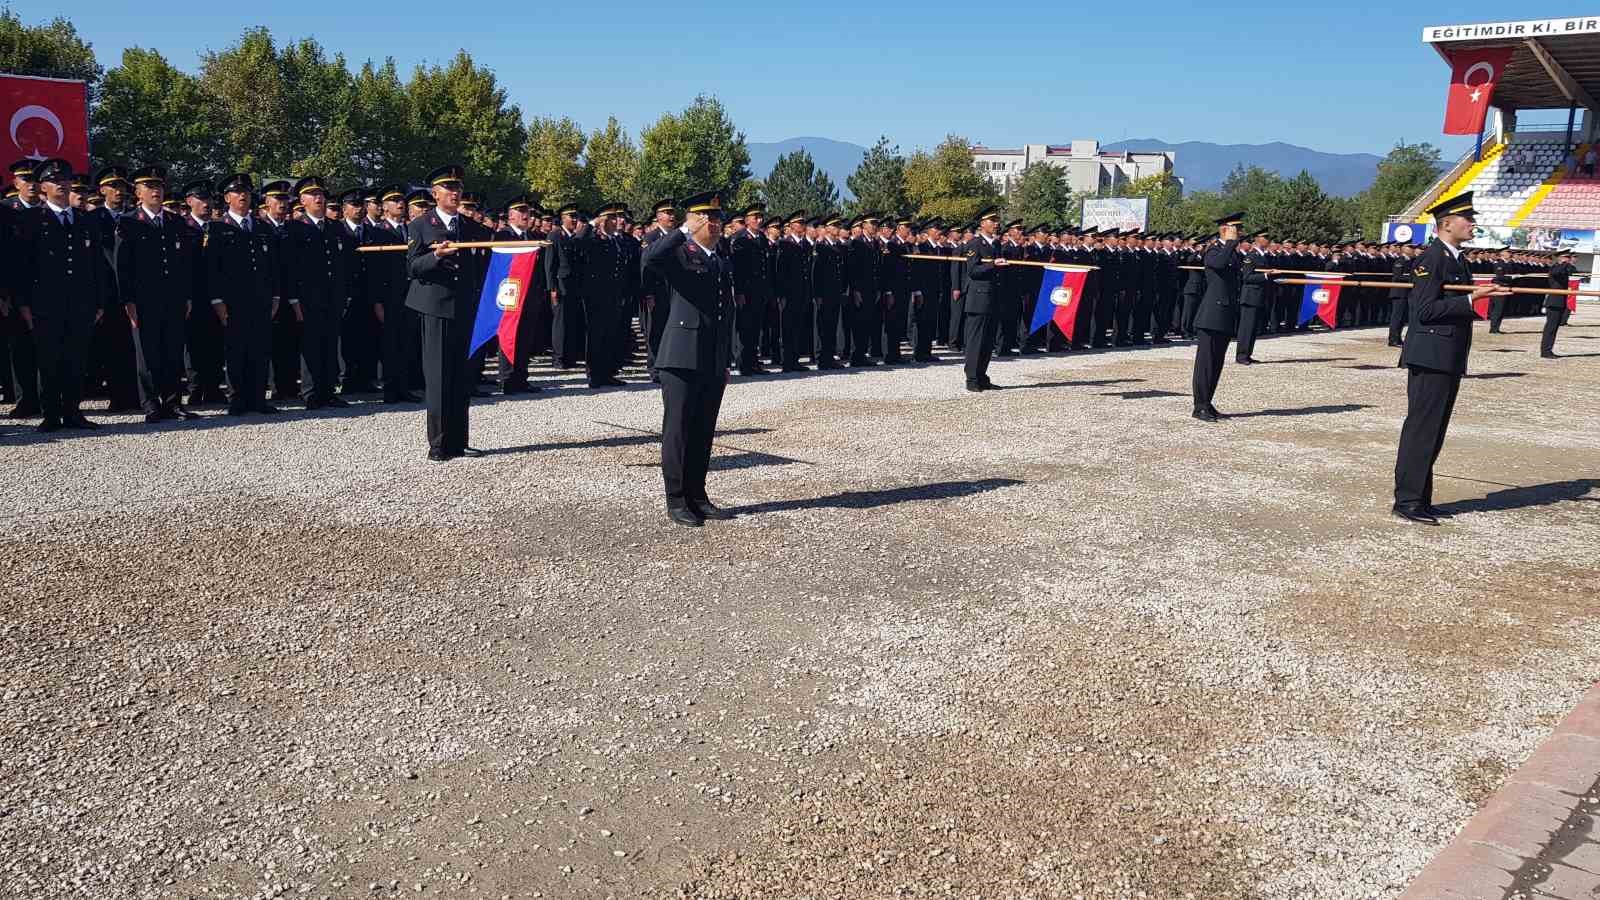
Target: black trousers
[
  {"x": 1249, "y": 327},
  {"x": 402, "y": 349},
  {"x": 1210, "y": 349},
  {"x": 319, "y": 344},
  {"x": 1399, "y": 311},
  {"x": 771, "y": 332},
  {"x": 958, "y": 323},
  {"x": 847, "y": 325},
  {"x": 896, "y": 324},
  {"x": 796, "y": 337},
  {"x": 979, "y": 331},
  {"x": 567, "y": 327},
  {"x": 941, "y": 319},
  {"x": 286, "y": 332},
  {"x": 62, "y": 342},
  {"x": 358, "y": 345},
  {"x": 112, "y": 362},
  {"x": 1552, "y": 321},
  {"x": 449, "y": 381},
  {"x": 1430, "y": 399},
  {"x": 248, "y": 339},
  {"x": 1030, "y": 339},
  {"x": 653, "y": 322},
  {"x": 602, "y": 341},
  {"x": 1005, "y": 316},
  {"x": 925, "y": 320},
  {"x": 867, "y": 322},
  {"x": 1165, "y": 301},
  {"x": 161, "y": 336},
  {"x": 1191, "y": 305},
  {"x": 750, "y": 321},
  {"x": 512, "y": 370},
  {"x": 827, "y": 345},
  {"x": 690, "y": 402},
  {"x": 24, "y": 360},
  {"x": 1105, "y": 316},
  {"x": 203, "y": 331},
  {"x": 1497, "y": 311}
]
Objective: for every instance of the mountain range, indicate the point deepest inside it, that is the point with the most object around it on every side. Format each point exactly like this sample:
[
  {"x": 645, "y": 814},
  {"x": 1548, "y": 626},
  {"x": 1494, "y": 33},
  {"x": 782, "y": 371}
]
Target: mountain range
[{"x": 1203, "y": 166}]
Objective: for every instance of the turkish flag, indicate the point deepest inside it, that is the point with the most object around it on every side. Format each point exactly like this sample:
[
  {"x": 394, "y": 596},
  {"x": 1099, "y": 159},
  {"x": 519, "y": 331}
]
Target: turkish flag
[
  {"x": 1473, "y": 74},
  {"x": 1480, "y": 306},
  {"x": 1574, "y": 285},
  {"x": 44, "y": 118}
]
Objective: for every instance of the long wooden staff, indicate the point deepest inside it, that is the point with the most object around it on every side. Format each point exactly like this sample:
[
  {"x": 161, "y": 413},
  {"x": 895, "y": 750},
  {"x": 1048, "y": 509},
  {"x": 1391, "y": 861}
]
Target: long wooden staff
[
  {"x": 465, "y": 245},
  {"x": 1010, "y": 262},
  {"x": 1549, "y": 292}
]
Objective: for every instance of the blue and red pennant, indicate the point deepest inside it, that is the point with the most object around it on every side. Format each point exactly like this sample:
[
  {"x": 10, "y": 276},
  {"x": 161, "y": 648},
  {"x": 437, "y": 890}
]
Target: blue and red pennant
[
  {"x": 1060, "y": 291},
  {"x": 1321, "y": 300},
  {"x": 505, "y": 290}
]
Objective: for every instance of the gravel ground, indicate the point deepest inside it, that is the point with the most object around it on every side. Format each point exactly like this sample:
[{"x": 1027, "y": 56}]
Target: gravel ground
[{"x": 1057, "y": 641}]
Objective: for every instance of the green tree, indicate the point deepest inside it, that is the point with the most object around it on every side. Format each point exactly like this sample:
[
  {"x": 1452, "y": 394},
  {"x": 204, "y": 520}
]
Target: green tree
[
  {"x": 52, "y": 50},
  {"x": 247, "y": 86},
  {"x": 946, "y": 183},
  {"x": 879, "y": 182},
  {"x": 1297, "y": 208},
  {"x": 460, "y": 114},
  {"x": 796, "y": 183},
  {"x": 612, "y": 165},
  {"x": 696, "y": 150},
  {"x": 553, "y": 170},
  {"x": 1408, "y": 170},
  {"x": 150, "y": 112},
  {"x": 1247, "y": 186},
  {"x": 1165, "y": 195},
  {"x": 381, "y": 114},
  {"x": 1042, "y": 194}
]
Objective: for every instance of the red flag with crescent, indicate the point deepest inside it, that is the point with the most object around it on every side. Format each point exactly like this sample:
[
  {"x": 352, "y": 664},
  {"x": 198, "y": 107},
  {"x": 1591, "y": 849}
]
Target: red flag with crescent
[
  {"x": 43, "y": 118},
  {"x": 1473, "y": 75}
]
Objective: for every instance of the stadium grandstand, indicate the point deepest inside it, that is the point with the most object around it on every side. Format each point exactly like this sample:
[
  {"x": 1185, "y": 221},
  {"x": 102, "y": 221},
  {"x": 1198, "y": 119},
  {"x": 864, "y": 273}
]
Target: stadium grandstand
[{"x": 1535, "y": 185}]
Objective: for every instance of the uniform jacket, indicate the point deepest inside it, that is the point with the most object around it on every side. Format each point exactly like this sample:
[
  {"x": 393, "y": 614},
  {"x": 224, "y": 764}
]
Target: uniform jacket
[
  {"x": 1219, "y": 308},
  {"x": 445, "y": 287},
  {"x": 1440, "y": 337},
  {"x": 62, "y": 268},
  {"x": 317, "y": 262},
  {"x": 157, "y": 258},
  {"x": 699, "y": 326},
  {"x": 980, "y": 292},
  {"x": 242, "y": 267}
]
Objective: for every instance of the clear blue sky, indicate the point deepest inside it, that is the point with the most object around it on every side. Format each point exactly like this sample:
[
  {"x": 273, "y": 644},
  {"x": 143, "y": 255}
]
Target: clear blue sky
[{"x": 1352, "y": 77}]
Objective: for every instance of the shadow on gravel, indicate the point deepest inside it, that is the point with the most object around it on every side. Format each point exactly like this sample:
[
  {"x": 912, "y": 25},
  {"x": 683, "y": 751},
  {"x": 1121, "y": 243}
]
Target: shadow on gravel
[
  {"x": 942, "y": 490},
  {"x": 1303, "y": 411},
  {"x": 1369, "y": 367},
  {"x": 1488, "y": 376},
  {"x": 1575, "y": 355},
  {"x": 1523, "y": 497},
  {"x": 1307, "y": 359},
  {"x": 1098, "y": 382},
  {"x": 616, "y": 440},
  {"x": 1142, "y": 395}
]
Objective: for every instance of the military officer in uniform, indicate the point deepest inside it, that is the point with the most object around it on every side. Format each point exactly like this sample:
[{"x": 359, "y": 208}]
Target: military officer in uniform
[
  {"x": 752, "y": 279},
  {"x": 445, "y": 281},
  {"x": 1555, "y": 307},
  {"x": 981, "y": 294},
  {"x": 513, "y": 370},
  {"x": 1217, "y": 319},
  {"x": 358, "y": 333},
  {"x": 156, "y": 260},
  {"x": 387, "y": 284},
  {"x": 318, "y": 252},
  {"x": 287, "y": 319},
  {"x": 203, "y": 330},
  {"x": 63, "y": 292},
  {"x": 696, "y": 350},
  {"x": 564, "y": 280},
  {"x": 1252, "y": 297},
  {"x": 1435, "y": 355},
  {"x": 832, "y": 292},
  {"x": 652, "y": 289},
  {"x": 245, "y": 281},
  {"x": 793, "y": 287},
  {"x": 609, "y": 275},
  {"x": 1399, "y": 306}
]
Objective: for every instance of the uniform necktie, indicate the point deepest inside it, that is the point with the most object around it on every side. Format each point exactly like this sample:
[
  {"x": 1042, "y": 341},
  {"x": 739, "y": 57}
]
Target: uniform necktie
[{"x": 66, "y": 219}]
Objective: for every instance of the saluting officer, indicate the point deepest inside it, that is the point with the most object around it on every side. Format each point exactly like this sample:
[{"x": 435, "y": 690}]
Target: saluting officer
[
  {"x": 156, "y": 262},
  {"x": 317, "y": 252},
  {"x": 696, "y": 350},
  {"x": 1217, "y": 319},
  {"x": 1435, "y": 355},
  {"x": 63, "y": 291},
  {"x": 444, "y": 290},
  {"x": 981, "y": 295}
]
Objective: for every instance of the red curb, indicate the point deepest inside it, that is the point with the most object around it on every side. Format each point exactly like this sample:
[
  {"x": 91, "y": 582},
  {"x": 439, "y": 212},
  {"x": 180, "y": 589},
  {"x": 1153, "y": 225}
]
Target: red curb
[{"x": 1534, "y": 837}]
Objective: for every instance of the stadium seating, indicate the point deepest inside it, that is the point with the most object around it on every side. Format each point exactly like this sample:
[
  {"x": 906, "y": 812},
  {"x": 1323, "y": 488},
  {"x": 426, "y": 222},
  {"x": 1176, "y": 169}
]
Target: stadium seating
[
  {"x": 1508, "y": 181},
  {"x": 1572, "y": 203}
]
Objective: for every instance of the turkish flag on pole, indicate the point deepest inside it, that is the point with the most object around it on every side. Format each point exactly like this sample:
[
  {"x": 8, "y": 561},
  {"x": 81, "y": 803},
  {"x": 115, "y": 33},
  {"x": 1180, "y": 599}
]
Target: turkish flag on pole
[
  {"x": 1473, "y": 74},
  {"x": 1574, "y": 285},
  {"x": 42, "y": 118}
]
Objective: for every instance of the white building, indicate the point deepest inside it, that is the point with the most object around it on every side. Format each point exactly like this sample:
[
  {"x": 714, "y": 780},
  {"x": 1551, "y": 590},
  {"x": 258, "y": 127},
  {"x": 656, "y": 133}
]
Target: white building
[{"x": 1089, "y": 170}]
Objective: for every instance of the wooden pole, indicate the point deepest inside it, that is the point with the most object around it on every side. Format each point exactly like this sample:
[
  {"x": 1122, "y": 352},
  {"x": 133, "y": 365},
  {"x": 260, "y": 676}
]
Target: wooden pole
[
  {"x": 466, "y": 245},
  {"x": 1010, "y": 262},
  {"x": 1548, "y": 292}
]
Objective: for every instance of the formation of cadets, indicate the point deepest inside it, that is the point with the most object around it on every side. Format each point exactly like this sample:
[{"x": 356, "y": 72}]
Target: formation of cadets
[{"x": 250, "y": 295}]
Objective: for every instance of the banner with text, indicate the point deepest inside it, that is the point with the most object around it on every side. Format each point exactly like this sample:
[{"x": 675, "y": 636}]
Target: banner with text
[{"x": 1122, "y": 212}]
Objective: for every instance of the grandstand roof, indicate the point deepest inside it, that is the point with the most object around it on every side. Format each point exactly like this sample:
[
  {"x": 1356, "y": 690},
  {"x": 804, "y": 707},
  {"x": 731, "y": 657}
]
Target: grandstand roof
[{"x": 1557, "y": 61}]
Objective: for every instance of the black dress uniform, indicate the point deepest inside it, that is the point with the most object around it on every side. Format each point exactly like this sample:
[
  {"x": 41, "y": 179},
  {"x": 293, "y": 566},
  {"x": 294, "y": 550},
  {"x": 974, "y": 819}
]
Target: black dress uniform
[
  {"x": 1217, "y": 319},
  {"x": 156, "y": 260},
  {"x": 112, "y": 359},
  {"x": 24, "y": 363},
  {"x": 64, "y": 287},
  {"x": 564, "y": 279},
  {"x": 444, "y": 292},
  {"x": 752, "y": 280},
  {"x": 1435, "y": 355},
  {"x": 286, "y": 328},
  {"x": 863, "y": 266},
  {"x": 316, "y": 266},
  {"x": 358, "y": 332},
  {"x": 652, "y": 301},
  {"x": 1252, "y": 304},
  {"x": 1399, "y": 307},
  {"x": 244, "y": 275},
  {"x": 387, "y": 285},
  {"x": 832, "y": 290},
  {"x": 1555, "y": 307},
  {"x": 981, "y": 305},
  {"x": 696, "y": 350},
  {"x": 513, "y": 370},
  {"x": 609, "y": 279},
  {"x": 203, "y": 330},
  {"x": 932, "y": 282},
  {"x": 794, "y": 297},
  {"x": 1193, "y": 284}
]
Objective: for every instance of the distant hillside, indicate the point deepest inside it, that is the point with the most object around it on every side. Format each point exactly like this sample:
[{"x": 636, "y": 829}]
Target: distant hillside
[
  {"x": 838, "y": 158},
  {"x": 1204, "y": 166}
]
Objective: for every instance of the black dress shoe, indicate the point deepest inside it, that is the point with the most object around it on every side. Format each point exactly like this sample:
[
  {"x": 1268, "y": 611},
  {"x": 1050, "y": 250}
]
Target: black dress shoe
[
  {"x": 25, "y": 412},
  {"x": 1244, "y": 362},
  {"x": 1216, "y": 412},
  {"x": 267, "y": 408},
  {"x": 470, "y": 452},
  {"x": 76, "y": 420},
  {"x": 1204, "y": 415},
  {"x": 1396, "y": 344},
  {"x": 975, "y": 388},
  {"x": 709, "y": 510},
  {"x": 1161, "y": 341},
  {"x": 154, "y": 416},
  {"x": 1548, "y": 356},
  {"x": 684, "y": 516},
  {"x": 237, "y": 410},
  {"x": 49, "y": 425},
  {"x": 313, "y": 403},
  {"x": 439, "y": 456},
  {"x": 1417, "y": 514},
  {"x": 795, "y": 369},
  {"x": 178, "y": 410},
  {"x": 613, "y": 382},
  {"x": 336, "y": 402},
  {"x": 359, "y": 389}
]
